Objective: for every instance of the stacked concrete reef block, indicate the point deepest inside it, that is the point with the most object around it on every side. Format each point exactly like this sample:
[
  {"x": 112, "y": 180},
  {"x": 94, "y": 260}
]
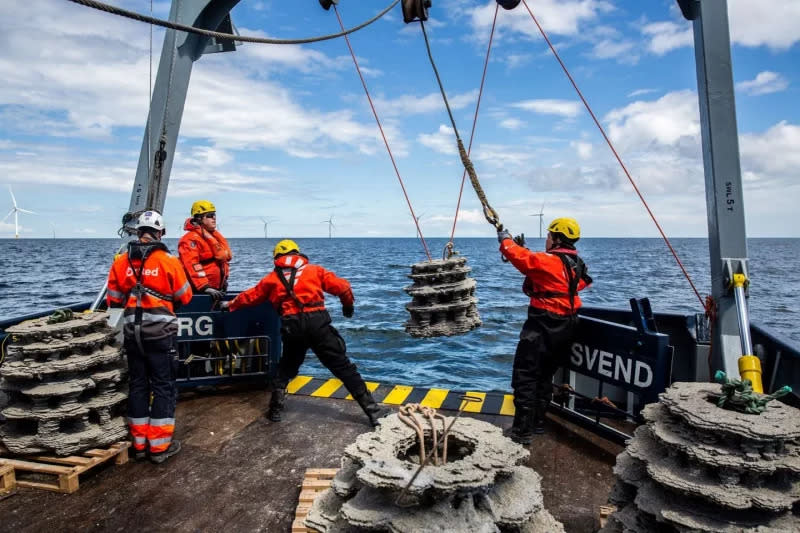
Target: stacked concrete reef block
[
  {"x": 481, "y": 488},
  {"x": 443, "y": 298},
  {"x": 697, "y": 467},
  {"x": 65, "y": 384}
]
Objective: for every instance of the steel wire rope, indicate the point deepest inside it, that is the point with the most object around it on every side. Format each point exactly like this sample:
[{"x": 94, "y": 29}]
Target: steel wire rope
[
  {"x": 475, "y": 120},
  {"x": 616, "y": 155},
  {"x": 383, "y": 135},
  {"x": 488, "y": 213},
  {"x": 226, "y": 36}
]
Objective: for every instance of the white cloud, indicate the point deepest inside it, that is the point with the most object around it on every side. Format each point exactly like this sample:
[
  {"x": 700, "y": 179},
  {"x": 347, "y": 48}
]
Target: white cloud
[
  {"x": 765, "y": 82},
  {"x": 469, "y": 216},
  {"x": 443, "y": 141},
  {"x": 503, "y": 156},
  {"x": 212, "y": 157},
  {"x": 609, "y": 49},
  {"x": 430, "y": 103},
  {"x": 667, "y": 36},
  {"x": 564, "y": 108},
  {"x": 583, "y": 149},
  {"x": 772, "y": 156},
  {"x": 751, "y": 24},
  {"x": 557, "y": 17},
  {"x": 511, "y": 124},
  {"x": 664, "y": 121},
  {"x": 640, "y": 92},
  {"x": 774, "y": 24}
]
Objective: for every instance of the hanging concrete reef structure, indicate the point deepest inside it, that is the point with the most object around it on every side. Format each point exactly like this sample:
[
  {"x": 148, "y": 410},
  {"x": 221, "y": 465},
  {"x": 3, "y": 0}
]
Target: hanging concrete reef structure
[
  {"x": 443, "y": 298},
  {"x": 698, "y": 467},
  {"x": 65, "y": 384}
]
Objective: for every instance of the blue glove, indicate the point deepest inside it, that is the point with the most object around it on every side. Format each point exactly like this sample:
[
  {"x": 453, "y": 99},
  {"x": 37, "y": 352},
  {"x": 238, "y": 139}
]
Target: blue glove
[{"x": 503, "y": 234}]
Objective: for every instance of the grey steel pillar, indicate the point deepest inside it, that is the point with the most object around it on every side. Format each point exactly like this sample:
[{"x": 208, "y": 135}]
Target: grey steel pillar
[
  {"x": 724, "y": 202},
  {"x": 179, "y": 53}
]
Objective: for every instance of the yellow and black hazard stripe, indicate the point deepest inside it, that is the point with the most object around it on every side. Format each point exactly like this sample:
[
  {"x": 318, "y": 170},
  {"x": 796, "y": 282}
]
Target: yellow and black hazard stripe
[{"x": 492, "y": 403}]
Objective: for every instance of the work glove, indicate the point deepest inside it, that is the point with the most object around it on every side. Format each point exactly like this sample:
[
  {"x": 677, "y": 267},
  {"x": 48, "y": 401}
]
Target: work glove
[
  {"x": 214, "y": 293},
  {"x": 520, "y": 239},
  {"x": 348, "y": 310},
  {"x": 224, "y": 306},
  {"x": 503, "y": 234}
]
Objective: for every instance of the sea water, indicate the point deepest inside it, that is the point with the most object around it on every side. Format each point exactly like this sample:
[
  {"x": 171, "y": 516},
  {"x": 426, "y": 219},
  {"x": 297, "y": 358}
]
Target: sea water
[{"x": 41, "y": 274}]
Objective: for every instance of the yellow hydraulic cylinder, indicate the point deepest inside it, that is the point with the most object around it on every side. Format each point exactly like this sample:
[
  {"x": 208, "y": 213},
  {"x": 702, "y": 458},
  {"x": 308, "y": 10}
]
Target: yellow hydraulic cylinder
[
  {"x": 750, "y": 368},
  {"x": 749, "y": 364}
]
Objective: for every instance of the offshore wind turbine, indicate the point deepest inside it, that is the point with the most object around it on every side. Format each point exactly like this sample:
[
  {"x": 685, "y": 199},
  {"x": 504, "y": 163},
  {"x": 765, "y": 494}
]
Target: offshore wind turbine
[
  {"x": 419, "y": 231},
  {"x": 16, "y": 210},
  {"x": 540, "y": 214},
  {"x": 266, "y": 226},
  {"x": 330, "y": 224}
]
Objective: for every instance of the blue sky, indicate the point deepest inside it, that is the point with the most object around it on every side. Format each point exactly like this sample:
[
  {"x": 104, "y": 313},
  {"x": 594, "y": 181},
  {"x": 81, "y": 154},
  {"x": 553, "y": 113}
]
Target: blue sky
[{"x": 285, "y": 132}]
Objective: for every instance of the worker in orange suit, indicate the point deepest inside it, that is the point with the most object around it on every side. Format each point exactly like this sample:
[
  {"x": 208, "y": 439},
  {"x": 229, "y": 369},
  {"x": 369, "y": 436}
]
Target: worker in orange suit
[
  {"x": 204, "y": 252},
  {"x": 552, "y": 281},
  {"x": 150, "y": 285},
  {"x": 296, "y": 288}
]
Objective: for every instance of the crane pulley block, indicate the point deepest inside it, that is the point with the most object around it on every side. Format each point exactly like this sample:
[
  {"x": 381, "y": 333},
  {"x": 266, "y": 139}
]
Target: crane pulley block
[
  {"x": 326, "y": 4},
  {"x": 415, "y": 10},
  {"x": 508, "y": 4}
]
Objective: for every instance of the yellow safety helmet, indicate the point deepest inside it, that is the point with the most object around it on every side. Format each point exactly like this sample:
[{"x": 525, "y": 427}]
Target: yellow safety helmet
[
  {"x": 568, "y": 227},
  {"x": 201, "y": 207},
  {"x": 286, "y": 246}
]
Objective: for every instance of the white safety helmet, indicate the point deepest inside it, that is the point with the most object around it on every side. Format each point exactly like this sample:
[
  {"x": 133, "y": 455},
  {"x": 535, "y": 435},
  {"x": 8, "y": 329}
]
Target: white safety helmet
[{"x": 150, "y": 220}]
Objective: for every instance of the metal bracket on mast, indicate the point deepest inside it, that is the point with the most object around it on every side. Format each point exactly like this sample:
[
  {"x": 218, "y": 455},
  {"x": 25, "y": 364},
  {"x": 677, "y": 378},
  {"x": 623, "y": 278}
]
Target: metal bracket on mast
[{"x": 724, "y": 199}]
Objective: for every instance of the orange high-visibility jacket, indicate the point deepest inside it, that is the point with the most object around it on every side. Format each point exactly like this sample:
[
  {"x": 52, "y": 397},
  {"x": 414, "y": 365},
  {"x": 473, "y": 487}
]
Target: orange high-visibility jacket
[
  {"x": 163, "y": 281},
  {"x": 309, "y": 283},
  {"x": 205, "y": 256},
  {"x": 546, "y": 273}
]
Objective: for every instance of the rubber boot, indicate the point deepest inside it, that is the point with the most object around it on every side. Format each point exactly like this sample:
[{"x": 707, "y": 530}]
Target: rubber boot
[
  {"x": 373, "y": 411},
  {"x": 174, "y": 448},
  {"x": 276, "y": 403},
  {"x": 521, "y": 431},
  {"x": 539, "y": 417}
]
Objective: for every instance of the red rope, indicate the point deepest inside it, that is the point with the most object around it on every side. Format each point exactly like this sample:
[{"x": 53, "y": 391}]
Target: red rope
[
  {"x": 619, "y": 159},
  {"x": 475, "y": 120},
  {"x": 711, "y": 313},
  {"x": 385, "y": 142}
]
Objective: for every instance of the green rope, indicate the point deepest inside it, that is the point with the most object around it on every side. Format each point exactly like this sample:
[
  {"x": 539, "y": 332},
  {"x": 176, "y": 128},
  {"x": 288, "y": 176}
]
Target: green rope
[
  {"x": 738, "y": 395},
  {"x": 60, "y": 315}
]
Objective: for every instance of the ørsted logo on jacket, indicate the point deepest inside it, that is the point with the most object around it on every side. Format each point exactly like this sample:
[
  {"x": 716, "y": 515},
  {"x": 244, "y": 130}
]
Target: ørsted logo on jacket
[{"x": 146, "y": 272}]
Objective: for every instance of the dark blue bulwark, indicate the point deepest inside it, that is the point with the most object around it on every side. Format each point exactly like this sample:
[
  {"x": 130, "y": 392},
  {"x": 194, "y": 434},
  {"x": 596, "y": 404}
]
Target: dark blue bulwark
[
  {"x": 216, "y": 347},
  {"x": 636, "y": 359}
]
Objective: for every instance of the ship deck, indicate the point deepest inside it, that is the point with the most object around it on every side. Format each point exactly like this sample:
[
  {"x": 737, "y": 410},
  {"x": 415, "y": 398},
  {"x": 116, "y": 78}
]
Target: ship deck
[{"x": 239, "y": 472}]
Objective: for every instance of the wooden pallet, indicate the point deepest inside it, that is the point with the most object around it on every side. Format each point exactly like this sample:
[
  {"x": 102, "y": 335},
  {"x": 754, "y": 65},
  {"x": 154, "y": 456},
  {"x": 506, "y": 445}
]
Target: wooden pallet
[
  {"x": 64, "y": 471},
  {"x": 8, "y": 480},
  {"x": 603, "y": 513},
  {"x": 315, "y": 481}
]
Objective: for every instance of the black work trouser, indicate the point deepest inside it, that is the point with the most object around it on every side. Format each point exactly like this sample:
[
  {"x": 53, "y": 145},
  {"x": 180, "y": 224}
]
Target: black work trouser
[
  {"x": 542, "y": 349},
  {"x": 153, "y": 371},
  {"x": 314, "y": 330}
]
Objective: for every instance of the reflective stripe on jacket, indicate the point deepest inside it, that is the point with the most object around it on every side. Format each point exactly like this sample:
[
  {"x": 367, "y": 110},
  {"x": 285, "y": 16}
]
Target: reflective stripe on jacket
[
  {"x": 310, "y": 284},
  {"x": 205, "y": 256},
  {"x": 546, "y": 273},
  {"x": 162, "y": 276}
]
